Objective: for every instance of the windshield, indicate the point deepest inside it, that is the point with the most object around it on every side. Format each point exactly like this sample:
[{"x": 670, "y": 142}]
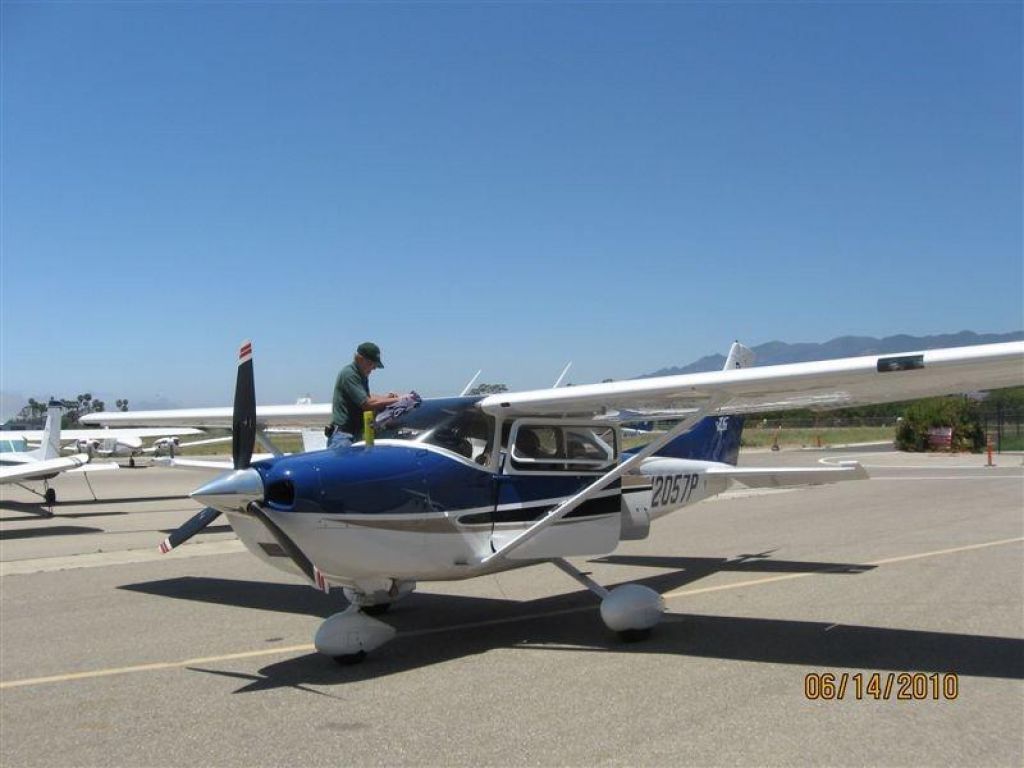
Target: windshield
[{"x": 454, "y": 423}]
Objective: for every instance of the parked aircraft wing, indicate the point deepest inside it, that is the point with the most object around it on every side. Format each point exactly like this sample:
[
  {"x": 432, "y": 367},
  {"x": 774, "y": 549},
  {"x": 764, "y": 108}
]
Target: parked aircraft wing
[
  {"x": 211, "y": 464},
  {"x": 95, "y": 466},
  {"x": 301, "y": 415},
  {"x": 44, "y": 468},
  {"x": 36, "y": 435},
  {"x": 823, "y": 384}
]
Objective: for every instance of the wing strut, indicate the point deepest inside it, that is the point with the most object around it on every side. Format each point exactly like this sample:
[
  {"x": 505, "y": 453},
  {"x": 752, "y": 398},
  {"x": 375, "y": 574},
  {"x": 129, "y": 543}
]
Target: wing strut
[
  {"x": 267, "y": 443},
  {"x": 572, "y": 502}
]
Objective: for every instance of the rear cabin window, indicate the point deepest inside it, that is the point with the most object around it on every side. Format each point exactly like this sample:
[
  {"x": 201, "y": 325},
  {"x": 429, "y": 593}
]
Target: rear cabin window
[
  {"x": 13, "y": 446},
  {"x": 563, "y": 447}
]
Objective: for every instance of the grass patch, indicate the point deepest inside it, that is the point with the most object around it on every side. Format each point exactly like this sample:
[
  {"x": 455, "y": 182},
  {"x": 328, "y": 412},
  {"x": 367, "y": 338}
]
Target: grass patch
[
  {"x": 1009, "y": 443},
  {"x": 816, "y": 436}
]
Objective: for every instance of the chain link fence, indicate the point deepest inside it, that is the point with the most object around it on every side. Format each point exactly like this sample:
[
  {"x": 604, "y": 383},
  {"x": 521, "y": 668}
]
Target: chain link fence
[{"x": 1004, "y": 427}]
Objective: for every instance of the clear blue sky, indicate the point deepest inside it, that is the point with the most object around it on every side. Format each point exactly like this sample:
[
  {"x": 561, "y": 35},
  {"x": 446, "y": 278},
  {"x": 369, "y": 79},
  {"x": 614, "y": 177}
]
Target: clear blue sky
[{"x": 502, "y": 186}]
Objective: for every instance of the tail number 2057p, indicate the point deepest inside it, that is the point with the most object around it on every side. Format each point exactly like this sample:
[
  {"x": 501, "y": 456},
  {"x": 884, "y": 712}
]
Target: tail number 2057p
[{"x": 667, "y": 490}]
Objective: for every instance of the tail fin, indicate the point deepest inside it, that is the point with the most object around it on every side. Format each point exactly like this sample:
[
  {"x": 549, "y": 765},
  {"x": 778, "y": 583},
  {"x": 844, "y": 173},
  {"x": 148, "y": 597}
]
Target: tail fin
[
  {"x": 714, "y": 438},
  {"x": 739, "y": 357},
  {"x": 51, "y": 432}
]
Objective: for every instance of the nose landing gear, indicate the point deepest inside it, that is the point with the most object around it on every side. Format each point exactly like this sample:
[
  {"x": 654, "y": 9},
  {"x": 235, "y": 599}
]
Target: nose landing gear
[{"x": 348, "y": 636}]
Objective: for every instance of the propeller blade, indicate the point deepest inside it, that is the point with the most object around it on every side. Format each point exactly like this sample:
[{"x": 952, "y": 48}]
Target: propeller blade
[
  {"x": 193, "y": 526},
  {"x": 243, "y": 420}
]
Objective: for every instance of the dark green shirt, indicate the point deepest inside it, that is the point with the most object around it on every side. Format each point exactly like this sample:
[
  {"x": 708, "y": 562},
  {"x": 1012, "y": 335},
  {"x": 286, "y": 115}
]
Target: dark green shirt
[{"x": 351, "y": 390}]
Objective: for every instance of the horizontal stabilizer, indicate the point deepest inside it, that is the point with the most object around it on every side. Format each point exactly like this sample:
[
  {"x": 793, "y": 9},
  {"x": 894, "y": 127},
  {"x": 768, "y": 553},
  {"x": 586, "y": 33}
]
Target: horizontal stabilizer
[
  {"x": 786, "y": 477},
  {"x": 94, "y": 466},
  {"x": 41, "y": 469}
]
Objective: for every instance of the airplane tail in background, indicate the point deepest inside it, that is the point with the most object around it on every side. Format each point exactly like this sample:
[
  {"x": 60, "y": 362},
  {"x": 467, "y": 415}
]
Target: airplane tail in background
[{"x": 50, "y": 448}]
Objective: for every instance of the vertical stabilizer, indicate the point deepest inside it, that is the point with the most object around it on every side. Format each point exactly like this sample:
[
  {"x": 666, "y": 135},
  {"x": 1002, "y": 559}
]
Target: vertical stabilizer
[
  {"x": 714, "y": 438},
  {"x": 50, "y": 449},
  {"x": 739, "y": 357}
]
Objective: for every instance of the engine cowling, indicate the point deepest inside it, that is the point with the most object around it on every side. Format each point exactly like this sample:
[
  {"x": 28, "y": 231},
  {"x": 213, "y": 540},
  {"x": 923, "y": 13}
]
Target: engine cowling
[
  {"x": 86, "y": 446},
  {"x": 168, "y": 444}
]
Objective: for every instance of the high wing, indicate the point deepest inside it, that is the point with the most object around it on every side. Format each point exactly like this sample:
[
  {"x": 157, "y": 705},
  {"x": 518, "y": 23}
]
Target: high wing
[
  {"x": 819, "y": 385},
  {"x": 34, "y": 436},
  {"x": 826, "y": 384},
  {"x": 212, "y": 464},
  {"x": 301, "y": 415},
  {"x": 44, "y": 468}
]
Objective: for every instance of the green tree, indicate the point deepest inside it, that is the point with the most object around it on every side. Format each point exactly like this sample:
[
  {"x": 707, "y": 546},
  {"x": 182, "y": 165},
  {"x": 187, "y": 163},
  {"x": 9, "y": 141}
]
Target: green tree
[{"x": 959, "y": 413}]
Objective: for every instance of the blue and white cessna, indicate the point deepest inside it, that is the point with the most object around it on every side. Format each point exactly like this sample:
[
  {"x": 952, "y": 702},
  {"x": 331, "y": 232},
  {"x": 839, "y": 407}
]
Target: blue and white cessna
[{"x": 466, "y": 486}]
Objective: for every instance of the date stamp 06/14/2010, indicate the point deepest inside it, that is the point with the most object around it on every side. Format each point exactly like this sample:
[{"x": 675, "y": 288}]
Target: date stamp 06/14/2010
[{"x": 881, "y": 686}]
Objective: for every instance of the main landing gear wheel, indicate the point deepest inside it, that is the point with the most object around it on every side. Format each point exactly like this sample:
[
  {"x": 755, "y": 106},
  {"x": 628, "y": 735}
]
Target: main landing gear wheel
[
  {"x": 349, "y": 659},
  {"x": 131, "y": 462},
  {"x": 630, "y": 610},
  {"x": 634, "y": 635},
  {"x": 50, "y": 496}
]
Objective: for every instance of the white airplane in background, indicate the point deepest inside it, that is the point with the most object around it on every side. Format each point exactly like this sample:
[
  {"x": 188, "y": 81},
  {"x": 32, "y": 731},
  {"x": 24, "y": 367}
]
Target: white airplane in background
[
  {"x": 110, "y": 442},
  {"x": 467, "y": 486},
  {"x": 45, "y": 462}
]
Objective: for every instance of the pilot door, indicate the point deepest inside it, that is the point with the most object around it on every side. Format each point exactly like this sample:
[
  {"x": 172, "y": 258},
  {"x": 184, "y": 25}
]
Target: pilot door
[{"x": 544, "y": 462}]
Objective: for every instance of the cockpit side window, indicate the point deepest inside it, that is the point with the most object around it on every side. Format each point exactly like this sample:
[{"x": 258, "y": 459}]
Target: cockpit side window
[{"x": 556, "y": 447}]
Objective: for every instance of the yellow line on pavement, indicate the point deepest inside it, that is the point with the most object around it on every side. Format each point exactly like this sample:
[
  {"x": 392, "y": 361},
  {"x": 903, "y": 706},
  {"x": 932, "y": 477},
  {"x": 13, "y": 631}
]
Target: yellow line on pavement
[
  {"x": 152, "y": 667},
  {"x": 886, "y": 561},
  {"x": 305, "y": 648}
]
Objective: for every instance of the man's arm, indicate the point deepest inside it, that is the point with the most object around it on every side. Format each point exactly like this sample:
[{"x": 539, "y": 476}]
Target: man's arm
[{"x": 378, "y": 403}]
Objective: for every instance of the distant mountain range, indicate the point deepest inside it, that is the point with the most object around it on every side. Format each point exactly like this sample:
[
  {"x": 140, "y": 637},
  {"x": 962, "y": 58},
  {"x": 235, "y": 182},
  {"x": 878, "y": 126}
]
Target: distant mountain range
[{"x": 779, "y": 352}]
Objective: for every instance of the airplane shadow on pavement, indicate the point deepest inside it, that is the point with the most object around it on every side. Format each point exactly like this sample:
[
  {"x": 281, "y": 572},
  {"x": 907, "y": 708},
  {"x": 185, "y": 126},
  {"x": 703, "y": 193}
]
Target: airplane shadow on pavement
[
  {"x": 436, "y": 628},
  {"x": 53, "y": 530}
]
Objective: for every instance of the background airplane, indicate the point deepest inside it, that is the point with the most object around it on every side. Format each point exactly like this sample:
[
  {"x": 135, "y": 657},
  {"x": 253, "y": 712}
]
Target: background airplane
[
  {"x": 46, "y": 462},
  {"x": 109, "y": 442}
]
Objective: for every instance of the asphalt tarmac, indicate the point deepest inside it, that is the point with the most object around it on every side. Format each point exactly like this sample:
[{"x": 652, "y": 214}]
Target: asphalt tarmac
[{"x": 113, "y": 655}]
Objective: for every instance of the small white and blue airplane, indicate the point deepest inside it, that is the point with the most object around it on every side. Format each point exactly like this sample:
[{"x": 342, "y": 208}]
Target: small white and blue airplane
[
  {"x": 45, "y": 462},
  {"x": 466, "y": 486}
]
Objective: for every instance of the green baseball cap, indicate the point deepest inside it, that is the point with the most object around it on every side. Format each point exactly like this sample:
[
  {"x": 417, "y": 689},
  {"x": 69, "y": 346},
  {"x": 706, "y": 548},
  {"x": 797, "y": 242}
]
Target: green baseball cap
[{"x": 371, "y": 352}]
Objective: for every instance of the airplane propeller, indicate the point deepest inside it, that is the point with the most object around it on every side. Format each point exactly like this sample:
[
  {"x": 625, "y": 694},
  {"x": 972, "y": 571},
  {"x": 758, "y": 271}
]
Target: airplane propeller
[
  {"x": 193, "y": 526},
  {"x": 243, "y": 418},
  {"x": 243, "y": 438}
]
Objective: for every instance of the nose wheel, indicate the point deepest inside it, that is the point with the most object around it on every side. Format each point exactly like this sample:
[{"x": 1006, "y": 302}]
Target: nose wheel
[{"x": 348, "y": 636}]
